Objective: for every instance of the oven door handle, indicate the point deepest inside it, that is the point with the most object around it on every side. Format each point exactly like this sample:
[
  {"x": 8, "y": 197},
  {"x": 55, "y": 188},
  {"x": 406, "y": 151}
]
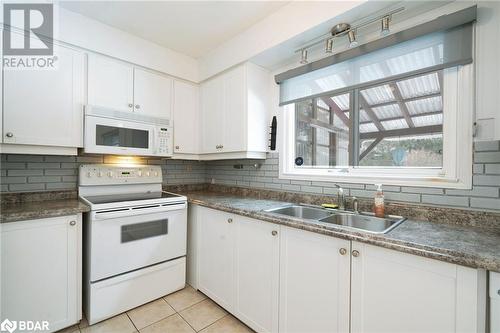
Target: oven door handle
[{"x": 135, "y": 211}]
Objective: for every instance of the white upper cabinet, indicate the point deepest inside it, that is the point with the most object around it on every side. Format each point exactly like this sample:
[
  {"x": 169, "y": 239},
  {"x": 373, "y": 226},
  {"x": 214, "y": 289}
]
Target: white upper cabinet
[
  {"x": 110, "y": 83},
  {"x": 235, "y": 113},
  {"x": 314, "y": 282},
  {"x": 45, "y": 107},
  {"x": 41, "y": 275},
  {"x": 152, "y": 94},
  {"x": 116, "y": 85},
  {"x": 396, "y": 292},
  {"x": 186, "y": 119}
]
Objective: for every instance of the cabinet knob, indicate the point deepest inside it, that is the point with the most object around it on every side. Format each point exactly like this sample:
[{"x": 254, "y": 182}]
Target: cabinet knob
[
  {"x": 355, "y": 253},
  {"x": 177, "y": 147},
  {"x": 137, "y": 106},
  {"x": 342, "y": 251},
  {"x": 230, "y": 220},
  {"x": 72, "y": 223},
  {"x": 9, "y": 134},
  {"x": 130, "y": 105},
  {"x": 274, "y": 232}
]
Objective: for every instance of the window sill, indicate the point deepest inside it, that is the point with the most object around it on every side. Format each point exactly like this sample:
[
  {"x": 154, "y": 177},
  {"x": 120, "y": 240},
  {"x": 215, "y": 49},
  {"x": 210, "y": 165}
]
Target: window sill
[{"x": 371, "y": 178}]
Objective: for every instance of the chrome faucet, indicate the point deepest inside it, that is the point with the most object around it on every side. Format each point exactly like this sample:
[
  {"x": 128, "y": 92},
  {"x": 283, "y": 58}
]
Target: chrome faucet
[{"x": 340, "y": 197}]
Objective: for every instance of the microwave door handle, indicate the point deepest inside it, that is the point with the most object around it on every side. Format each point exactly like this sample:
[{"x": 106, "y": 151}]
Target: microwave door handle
[{"x": 154, "y": 147}]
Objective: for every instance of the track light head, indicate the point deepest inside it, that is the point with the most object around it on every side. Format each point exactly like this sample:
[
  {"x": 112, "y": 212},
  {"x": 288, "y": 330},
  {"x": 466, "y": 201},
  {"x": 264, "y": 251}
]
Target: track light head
[
  {"x": 385, "y": 29},
  {"x": 303, "y": 59},
  {"x": 352, "y": 38},
  {"x": 329, "y": 45}
]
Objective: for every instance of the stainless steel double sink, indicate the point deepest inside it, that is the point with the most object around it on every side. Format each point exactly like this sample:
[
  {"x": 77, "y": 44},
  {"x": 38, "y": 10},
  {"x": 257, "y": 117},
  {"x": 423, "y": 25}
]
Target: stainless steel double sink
[{"x": 362, "y": 221}]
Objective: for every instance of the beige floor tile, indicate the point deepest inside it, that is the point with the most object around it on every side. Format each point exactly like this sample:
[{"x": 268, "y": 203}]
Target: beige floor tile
[
  {"x": 71, "y": 329},
  {"x": 118, "y": 324},
  {"x": 228, "y": 324},
  {"x": 150, "y": 313},
  {"x": 172, "y": 324},
  {"x": 203, "y": 314},
  {"x": 184, "y": 298}
]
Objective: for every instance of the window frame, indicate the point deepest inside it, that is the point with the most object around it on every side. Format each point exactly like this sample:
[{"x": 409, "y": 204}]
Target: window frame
[{"x": 457, "y": 145}]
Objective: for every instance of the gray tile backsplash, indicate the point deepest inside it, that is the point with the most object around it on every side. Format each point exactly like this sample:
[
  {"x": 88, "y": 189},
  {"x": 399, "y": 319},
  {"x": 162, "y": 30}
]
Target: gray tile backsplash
[{"x": 22, "y": 173}]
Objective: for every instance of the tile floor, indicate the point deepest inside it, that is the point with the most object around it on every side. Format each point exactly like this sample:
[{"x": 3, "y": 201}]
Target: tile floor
[{"x": 186, "y": 311}]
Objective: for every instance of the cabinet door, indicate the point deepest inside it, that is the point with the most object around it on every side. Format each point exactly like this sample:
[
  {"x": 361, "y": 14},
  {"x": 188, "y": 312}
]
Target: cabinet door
[
  {"x": 257, "y": 274},
  {"x": 186, "y": 118},
  {"x": 212, "y": 98},
  {"x": 41, "y": 271},
  {"x": 216, "y": 257},
  {"x": 152, "y": 94},
  {"x": 111, "y": 83},
  {"x": 235, "y": 111},
  {"x": 50, "y": 112},
  {"x": 314, "y": 282},
  {"x": 399, "y": 292}
]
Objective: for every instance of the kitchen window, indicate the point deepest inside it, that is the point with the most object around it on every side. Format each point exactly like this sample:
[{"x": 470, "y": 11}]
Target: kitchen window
[{"x": 400, "y": 115}]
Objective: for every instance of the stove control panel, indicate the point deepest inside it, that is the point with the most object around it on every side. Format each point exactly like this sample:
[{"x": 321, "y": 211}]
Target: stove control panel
[{"x": 108, "y": 174}]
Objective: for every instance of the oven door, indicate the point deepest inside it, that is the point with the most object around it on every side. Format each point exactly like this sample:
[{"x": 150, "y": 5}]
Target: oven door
[
  {"x": 123, "y": 240},
  {"x": 120, "y": 137}
]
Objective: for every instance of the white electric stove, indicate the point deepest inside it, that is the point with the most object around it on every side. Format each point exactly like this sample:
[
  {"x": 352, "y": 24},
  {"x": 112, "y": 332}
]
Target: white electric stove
[{"x": 134, "y": 238}]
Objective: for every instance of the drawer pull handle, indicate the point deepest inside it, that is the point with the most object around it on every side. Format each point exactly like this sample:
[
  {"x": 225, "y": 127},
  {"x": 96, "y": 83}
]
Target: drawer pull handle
[
  {"x": 229, "y": 220},
  {"x": 72, "y": 223}
]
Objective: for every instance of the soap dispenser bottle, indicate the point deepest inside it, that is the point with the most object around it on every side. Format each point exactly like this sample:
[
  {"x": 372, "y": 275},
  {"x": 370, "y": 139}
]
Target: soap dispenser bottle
[{"x": 379, "y": 202}]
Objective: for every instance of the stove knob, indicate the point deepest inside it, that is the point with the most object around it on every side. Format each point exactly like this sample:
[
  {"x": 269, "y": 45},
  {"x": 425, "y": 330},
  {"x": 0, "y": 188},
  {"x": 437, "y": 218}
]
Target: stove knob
[
  {"x": 156, "y": 173},
  {"x": 100, "y": 174},
  {"x": 147, "y": 173},
  {"x": 110, "y": 174},
  {"x": 89, "y": 174}
]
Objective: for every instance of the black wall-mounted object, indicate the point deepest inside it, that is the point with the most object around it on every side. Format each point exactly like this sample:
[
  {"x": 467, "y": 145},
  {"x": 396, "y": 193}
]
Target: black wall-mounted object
[{"x": 274, "y": 124}]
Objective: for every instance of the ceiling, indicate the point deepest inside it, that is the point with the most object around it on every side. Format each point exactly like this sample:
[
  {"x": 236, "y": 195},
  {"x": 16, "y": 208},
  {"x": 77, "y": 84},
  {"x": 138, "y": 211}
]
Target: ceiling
[{"x": 190, "y": 27}]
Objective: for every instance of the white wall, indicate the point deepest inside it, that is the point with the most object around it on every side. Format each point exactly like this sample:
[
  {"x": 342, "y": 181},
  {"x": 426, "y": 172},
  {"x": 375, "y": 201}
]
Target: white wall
[
  {"x": 90, "y": 34},
  {"x": 287, "y": 22}
]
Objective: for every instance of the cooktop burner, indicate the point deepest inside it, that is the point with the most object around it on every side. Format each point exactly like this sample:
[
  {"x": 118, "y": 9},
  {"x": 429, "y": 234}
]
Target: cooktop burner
[{"x": 112, "y": 198}]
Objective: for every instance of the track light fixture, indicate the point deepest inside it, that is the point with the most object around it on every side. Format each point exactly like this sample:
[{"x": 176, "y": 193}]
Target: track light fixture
[
  {"x": 303, "y": 59},
  {"x": 329, "y": 45},
  {"x": 352, "y": 38},
  {"x": 340, "y": 30},
  {"x": 385, "y": 25}
]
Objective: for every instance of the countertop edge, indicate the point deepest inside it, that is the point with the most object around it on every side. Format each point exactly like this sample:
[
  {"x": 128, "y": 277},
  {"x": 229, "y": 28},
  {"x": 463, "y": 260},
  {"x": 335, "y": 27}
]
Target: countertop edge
[
  {"x": 454, "y": 257},
  {"x": 41, "y": 213}
]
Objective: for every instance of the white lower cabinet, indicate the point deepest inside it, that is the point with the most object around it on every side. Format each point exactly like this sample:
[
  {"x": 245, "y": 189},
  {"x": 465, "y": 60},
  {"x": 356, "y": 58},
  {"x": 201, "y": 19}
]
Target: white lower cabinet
[
  {"x": 257, "y": 273},
  {"x": 314, "y": 282},
  {"x": 41, "y": 271},
  {"x": 238, "y": 266},
  {"x": 396, "y": 292},
  {"x": 281, "y": 279},
  {"x": 216, "y": 257}
]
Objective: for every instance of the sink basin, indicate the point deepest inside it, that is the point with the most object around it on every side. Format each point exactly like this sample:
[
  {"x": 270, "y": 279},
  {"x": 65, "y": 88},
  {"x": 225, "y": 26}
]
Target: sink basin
[
  {"x": 304, "y": 212},
  {"x": 364, "y": 222}
]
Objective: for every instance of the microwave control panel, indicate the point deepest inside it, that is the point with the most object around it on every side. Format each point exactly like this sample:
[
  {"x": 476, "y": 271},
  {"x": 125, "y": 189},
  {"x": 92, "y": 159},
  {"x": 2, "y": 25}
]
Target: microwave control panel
[{"x": 165, "y": 143}]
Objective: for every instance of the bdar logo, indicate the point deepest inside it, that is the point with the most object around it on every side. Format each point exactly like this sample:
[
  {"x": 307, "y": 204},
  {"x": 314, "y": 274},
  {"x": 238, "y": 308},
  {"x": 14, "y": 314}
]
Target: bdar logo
[{"x": 8, "y": 325}]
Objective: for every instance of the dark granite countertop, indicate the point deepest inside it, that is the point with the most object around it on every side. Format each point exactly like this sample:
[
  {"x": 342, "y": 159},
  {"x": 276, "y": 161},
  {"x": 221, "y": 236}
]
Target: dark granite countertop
[
  {"x": 19, "y": 211},
  {"x": 463, "y": 245}
]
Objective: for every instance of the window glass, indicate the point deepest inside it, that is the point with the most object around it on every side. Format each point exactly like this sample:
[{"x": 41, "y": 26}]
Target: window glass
[
  {"x": 398, "y": 124},
  {"x": 121, "y": 137},
  {"x": 322, "y": 128}
]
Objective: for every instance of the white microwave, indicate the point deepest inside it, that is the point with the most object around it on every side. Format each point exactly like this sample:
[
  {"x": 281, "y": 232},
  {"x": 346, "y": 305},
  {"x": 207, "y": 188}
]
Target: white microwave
[{"x": 125, "y": 133}]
